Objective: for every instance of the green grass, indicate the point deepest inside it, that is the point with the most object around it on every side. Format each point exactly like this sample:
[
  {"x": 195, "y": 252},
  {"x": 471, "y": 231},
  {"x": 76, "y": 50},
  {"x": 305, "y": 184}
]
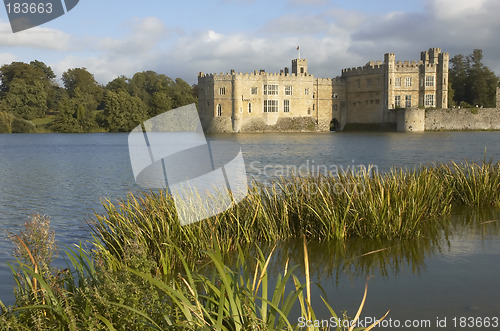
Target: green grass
[
  {"x": 43, "y": 124},
  {"x": 401, "y": 204},
  {"x": 89, "y": 296}
]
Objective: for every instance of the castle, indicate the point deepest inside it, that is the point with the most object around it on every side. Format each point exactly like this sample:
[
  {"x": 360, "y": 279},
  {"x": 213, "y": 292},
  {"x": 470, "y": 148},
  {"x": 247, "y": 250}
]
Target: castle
[{"x": 297, "y": 101}]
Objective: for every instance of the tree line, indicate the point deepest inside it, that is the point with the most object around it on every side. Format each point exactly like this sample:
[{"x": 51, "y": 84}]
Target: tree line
[
  {"x": 29, "y": 91},
  {"x": 471, "y": 83}
]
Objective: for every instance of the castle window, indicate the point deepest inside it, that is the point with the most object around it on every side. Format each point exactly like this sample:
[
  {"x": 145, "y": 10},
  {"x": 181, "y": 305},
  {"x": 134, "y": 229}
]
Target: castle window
[
  {"x": 306, "y": 91},
  {"x": 249, "y": 107},
  {"x": 222, "y": 90},
  {"x": 429, "y": 80},
  {"x": 286, "y": 106},
  {"x": 271, "y": 89},
  {"x": 288, "y": 90},
  {"x": 378, "y": 82},
  {"x": 253, "y": 90},
  {"x": 429, "y": 100},
  {"x": 369, "y": 82},
  {"x": 397, "y": 82},
  {"x": 270, "y": 106},
  {"x": 397, "y": 101},
  {"x": 408, "y": 101},
  {"x": 219, "y": 110},
  {"x": 408, "y": 82}
]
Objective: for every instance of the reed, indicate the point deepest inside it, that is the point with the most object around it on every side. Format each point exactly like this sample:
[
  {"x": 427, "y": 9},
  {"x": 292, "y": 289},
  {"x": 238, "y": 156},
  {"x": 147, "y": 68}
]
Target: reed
[
  {"x": 400, "y": 204},
  {"x": 86, "y": 296}
]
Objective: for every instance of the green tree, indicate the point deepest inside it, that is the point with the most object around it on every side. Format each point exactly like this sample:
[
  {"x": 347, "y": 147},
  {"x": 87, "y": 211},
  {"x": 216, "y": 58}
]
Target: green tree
[
  {"x": 31, "y": 74},
  {"x": 118, "y": 84},
  {"x": 82, "y": 84},
  {"x": 160, "y": 103},
  {"x": 182, "y": 93},
  {"x": 26, "y": 100},
  {"x": 74, "y": 117},
  {"x": 123, "y": 112},
  {"x": 472, "y": 81},
  {"x": 6, "y": 119}
]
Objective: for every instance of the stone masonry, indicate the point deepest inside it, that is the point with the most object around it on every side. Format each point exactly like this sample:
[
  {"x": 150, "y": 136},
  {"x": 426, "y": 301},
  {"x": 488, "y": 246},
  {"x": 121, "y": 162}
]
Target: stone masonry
[{"x": 298, "y": 101}]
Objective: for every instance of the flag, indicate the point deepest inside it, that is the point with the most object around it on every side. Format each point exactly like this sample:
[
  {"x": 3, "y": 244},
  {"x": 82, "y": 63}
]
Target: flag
[{"x": 298, "y": 47}]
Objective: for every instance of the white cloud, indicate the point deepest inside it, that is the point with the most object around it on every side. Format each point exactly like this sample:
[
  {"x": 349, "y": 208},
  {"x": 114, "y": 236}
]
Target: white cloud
[
  {"x": 451, "y": 9},
  {"x": 37, "y": 37},
  {"x": 144, "y": 35},
  {"x": 331, "y": 40}
]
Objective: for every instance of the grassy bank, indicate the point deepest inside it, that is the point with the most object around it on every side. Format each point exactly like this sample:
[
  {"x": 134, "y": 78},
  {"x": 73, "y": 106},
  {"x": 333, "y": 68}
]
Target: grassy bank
[{"x": 142, "y": 271}]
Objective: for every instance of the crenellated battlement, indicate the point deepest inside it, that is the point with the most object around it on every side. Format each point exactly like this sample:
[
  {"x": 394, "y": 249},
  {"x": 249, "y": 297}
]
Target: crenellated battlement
[
  {"x": 253, "y": 74},
  {"x": 409, "y": 64},
  {"x": 369, "y": 68}
]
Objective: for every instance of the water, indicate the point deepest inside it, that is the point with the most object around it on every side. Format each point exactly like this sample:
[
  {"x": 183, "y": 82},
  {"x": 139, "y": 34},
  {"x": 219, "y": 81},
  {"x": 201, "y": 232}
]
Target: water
[{"x": 65, "y": 175}]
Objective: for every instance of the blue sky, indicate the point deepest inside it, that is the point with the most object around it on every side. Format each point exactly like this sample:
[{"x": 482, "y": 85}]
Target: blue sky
[{"x": 181, "y": 38}]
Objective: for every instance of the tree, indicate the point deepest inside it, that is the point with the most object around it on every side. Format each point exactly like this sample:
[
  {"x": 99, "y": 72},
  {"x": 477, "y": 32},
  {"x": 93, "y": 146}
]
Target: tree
[
  {"x": 79, "y": 81},
  {"x": 118, "y": 84},
  {"x": 6, "y": 119},
  {"x": 32, "y": 74},
  {"x": 123, "y": 112},
  {"x": 472, "y": 81},
  {"x": 183, "y": 93},
  {"x": 26, "y": 100},
  {"x": 74, "y": 117}
]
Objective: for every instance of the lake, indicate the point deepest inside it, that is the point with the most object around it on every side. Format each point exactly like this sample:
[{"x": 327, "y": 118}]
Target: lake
[{"x": 65, "y": 175}]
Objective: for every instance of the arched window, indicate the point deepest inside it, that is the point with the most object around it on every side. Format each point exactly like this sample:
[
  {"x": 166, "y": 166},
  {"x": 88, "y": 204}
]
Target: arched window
[{"x": 219, "y": 110}]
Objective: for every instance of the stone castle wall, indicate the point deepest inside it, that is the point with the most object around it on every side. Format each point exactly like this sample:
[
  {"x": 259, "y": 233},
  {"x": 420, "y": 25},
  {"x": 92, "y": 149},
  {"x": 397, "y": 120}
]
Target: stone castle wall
[
  {"x": 448, "y": 119},
  {"x": 236, "y": 102},
  {"x": 368, "y": 95}
]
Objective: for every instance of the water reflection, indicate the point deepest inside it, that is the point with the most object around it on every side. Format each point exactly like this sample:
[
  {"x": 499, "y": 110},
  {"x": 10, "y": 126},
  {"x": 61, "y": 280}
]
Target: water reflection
[{"x": 460, "y": 234}]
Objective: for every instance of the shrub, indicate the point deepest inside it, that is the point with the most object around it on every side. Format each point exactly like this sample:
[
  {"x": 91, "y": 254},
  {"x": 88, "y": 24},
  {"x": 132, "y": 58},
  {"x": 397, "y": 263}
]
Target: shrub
[
  {"x": 20, "y": 125},
  {"x": 6, "y": 122}
]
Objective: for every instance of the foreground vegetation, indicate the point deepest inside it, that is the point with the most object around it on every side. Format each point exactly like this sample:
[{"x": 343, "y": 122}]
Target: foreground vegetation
[
  {"x": 400, "y": 204},
  {"x": 144, "y": 270}
]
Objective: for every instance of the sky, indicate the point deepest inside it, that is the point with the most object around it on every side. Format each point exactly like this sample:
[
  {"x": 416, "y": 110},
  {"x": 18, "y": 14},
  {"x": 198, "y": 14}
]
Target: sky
[{"x": 181, "y": 38}]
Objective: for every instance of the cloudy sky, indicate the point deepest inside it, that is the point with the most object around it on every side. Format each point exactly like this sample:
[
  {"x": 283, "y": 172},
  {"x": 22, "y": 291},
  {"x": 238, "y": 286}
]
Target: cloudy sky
[{"x": 181, "y": 38}]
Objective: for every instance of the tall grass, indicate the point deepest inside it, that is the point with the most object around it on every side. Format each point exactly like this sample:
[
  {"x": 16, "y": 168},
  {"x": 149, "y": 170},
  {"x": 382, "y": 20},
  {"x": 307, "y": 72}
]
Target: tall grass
[
  {"x": 400, "y": 204},
  {"x": 86, "y": 296}
]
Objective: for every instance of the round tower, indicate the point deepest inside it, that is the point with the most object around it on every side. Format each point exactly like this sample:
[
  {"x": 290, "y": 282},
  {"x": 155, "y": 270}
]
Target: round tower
[{"x": 237, "y": 97}]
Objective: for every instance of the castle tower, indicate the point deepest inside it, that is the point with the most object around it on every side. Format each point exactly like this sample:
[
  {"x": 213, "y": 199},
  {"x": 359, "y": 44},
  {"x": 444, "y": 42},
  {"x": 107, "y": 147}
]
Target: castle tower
[
  {"x": 442, "y": 80},
  {"x": 237, "y": 102},
  {"x": 299, "y": 67},
  {"x": 389, "y": 62}
]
